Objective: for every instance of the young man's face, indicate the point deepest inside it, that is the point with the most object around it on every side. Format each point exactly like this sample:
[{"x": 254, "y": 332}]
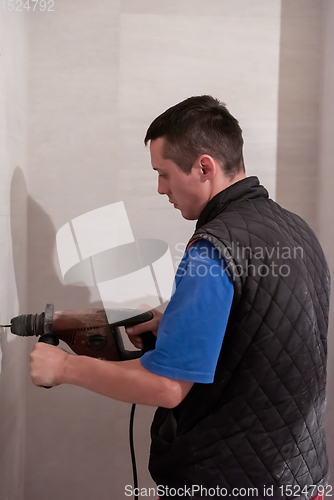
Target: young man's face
[{"x": 187, "y": 192}]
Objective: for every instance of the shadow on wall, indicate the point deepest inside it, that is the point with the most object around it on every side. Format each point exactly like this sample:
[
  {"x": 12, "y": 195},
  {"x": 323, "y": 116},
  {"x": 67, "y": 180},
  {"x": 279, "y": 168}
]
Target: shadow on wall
[
  {"x": 38, "y": 280},
  {"x": 18, "y": 227},
  {"x": 91, "y": 457}
]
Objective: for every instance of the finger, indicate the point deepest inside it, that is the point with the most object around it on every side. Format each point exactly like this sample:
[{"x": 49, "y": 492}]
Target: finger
[
  {"x": 134, "y": 331},
  {"x": 137, "y": 341},
  {"x": 148, "y": 326}
]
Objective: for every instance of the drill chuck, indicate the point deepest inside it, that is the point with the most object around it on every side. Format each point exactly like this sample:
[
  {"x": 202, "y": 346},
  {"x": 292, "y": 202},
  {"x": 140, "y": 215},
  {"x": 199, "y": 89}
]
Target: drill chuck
[{"x": 27, "y": 325}]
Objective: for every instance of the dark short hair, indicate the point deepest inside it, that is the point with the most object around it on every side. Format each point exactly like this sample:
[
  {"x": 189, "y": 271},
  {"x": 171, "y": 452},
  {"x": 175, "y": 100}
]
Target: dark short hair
[{"x": 199, "y": 125}]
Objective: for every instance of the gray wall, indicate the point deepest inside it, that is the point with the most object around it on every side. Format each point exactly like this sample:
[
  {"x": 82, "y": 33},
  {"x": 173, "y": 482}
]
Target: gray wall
[
  {"x": 13, "y": 251},
  {"x": 325, "y": 193},
  {"x": 97, "y": 73},
  {"x": 305, "y": 150},
  {"x": 299, "y": 103}
]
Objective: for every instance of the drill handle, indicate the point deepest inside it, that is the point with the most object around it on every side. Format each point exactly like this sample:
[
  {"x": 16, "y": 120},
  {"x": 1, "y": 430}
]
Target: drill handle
[
  {"x": 148, "y": 338},
  {"x": 149, "y": 341},
  {"x": 49, "y": 338}
]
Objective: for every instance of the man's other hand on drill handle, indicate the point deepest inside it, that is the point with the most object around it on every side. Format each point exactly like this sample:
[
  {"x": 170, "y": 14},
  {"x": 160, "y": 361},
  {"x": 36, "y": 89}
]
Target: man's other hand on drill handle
[
  {"x": 48, "y": 364},
  {"x": 134, "y": 332},
  {"x": 126, "y": 381}
]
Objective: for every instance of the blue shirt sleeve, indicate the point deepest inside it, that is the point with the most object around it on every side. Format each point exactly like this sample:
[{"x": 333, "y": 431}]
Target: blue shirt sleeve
[{"x": 191, "y": 331}]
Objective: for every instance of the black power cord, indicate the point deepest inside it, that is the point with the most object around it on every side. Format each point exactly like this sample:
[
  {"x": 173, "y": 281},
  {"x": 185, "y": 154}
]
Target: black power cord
[
  {"x": 132, "y": 451},
  {"x": 149, "y": 344}
]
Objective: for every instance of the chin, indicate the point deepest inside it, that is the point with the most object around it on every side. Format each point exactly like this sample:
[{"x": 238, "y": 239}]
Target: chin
[{"x": 189, "y": 216}]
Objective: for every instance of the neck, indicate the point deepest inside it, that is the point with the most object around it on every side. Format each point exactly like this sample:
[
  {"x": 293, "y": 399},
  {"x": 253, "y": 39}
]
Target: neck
[{"x": 226, "y": 182}]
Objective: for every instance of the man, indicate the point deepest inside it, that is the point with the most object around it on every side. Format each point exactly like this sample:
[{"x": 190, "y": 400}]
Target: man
[{"x": 239, "y": 368}]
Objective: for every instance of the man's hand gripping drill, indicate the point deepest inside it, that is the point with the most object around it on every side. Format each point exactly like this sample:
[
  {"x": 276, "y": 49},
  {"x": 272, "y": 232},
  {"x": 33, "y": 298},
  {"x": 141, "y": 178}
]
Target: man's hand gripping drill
[
  {"x": 48, "y": 363},
  {"x": 87, "y": 332}
]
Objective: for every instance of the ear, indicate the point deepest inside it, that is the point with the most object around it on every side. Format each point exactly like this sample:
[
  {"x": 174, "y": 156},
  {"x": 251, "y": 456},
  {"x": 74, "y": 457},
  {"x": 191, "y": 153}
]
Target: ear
[{"x": 208, "y": 166}]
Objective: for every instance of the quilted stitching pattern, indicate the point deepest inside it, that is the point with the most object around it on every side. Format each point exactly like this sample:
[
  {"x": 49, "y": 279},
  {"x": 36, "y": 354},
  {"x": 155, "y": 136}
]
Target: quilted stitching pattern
[{"x": 261, "y": 421}]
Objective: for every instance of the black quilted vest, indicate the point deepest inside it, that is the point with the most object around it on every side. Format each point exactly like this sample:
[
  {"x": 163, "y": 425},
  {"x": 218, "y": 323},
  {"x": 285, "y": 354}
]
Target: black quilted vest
[{"x": 260, "y": 423}]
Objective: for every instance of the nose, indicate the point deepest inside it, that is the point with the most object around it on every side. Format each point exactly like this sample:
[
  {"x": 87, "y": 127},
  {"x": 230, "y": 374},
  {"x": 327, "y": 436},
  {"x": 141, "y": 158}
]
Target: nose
[{"x": 162, "y": 186}]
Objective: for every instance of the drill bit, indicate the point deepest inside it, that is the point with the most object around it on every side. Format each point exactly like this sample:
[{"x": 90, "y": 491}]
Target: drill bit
[{"x": 5, "y": 326}]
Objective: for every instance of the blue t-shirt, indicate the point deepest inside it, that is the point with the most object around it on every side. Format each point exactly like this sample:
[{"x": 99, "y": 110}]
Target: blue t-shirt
[{"x": 192, "y": 329}]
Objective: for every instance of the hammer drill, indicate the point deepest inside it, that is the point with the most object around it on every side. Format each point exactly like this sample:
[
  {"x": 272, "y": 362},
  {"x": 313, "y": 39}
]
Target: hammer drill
[{"x": 87, "y": 331}]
